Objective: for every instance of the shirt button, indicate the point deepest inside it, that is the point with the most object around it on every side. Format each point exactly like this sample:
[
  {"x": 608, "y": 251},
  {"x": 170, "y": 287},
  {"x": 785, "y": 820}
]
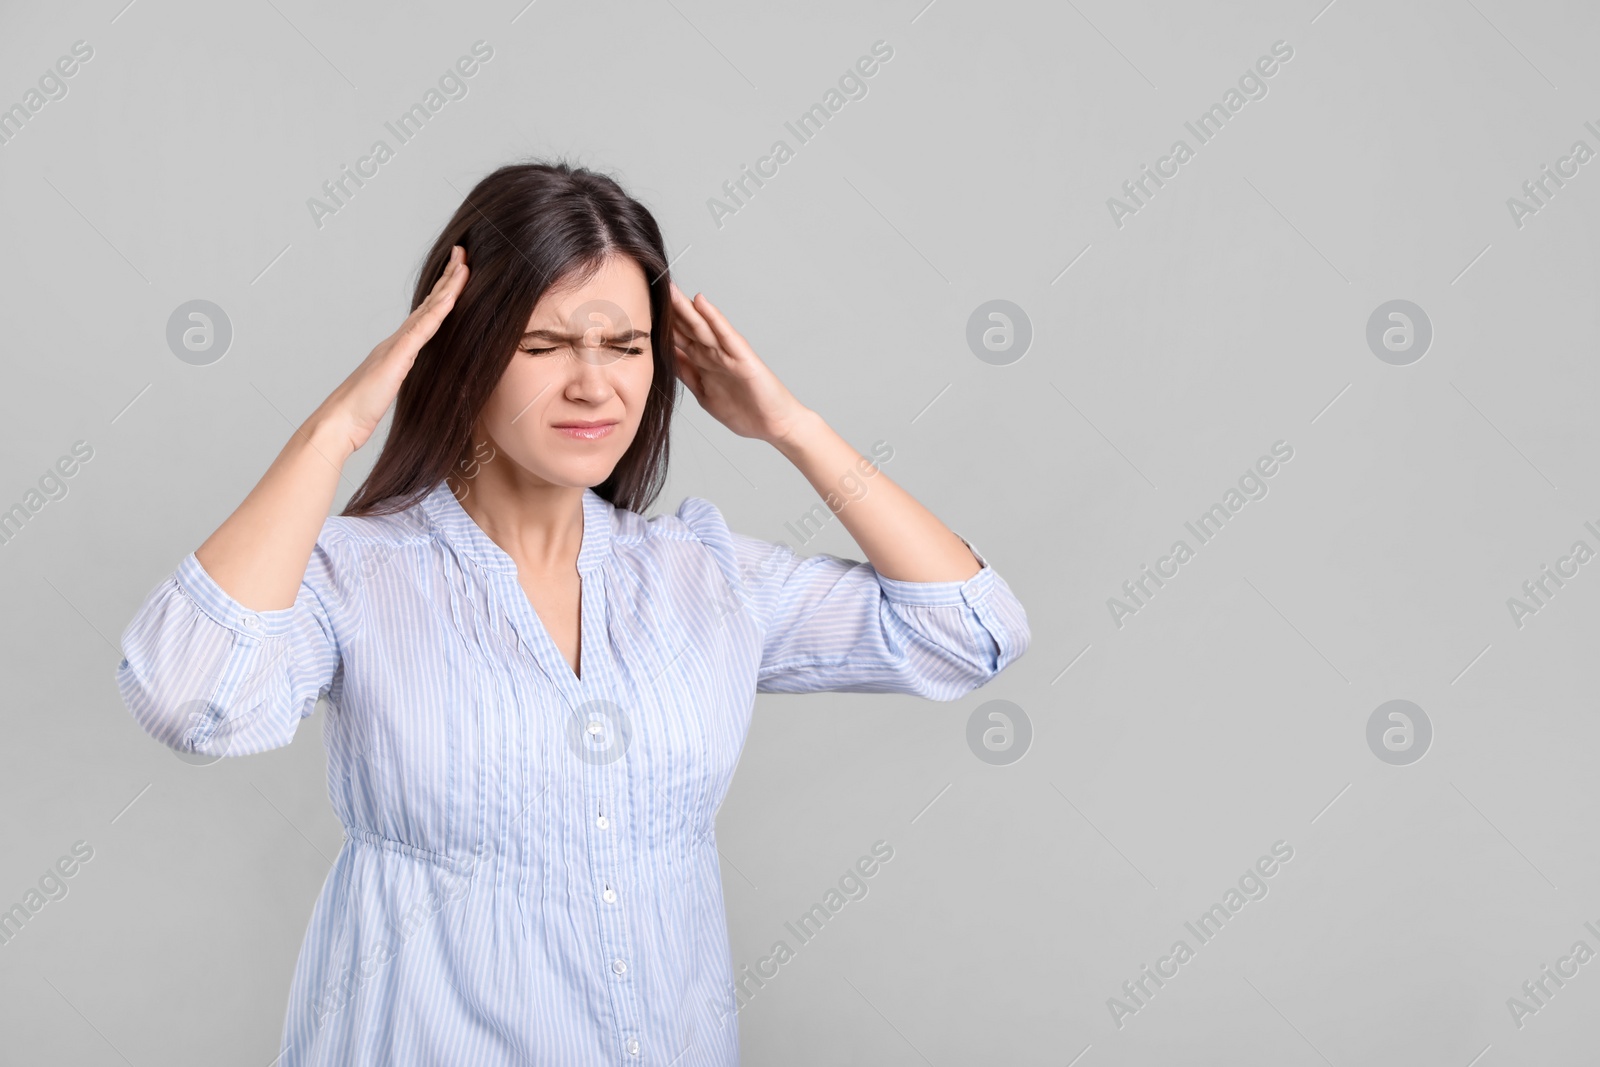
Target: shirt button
[
  {"x": 251, "y": 622},
  {"x": 610, "y": 895},
  {"x": 633, "y": 1046},
  {"x": 602, "y": 822},
  {"x": 618, "y": 966},
  {"x": 595, "y": 728}
]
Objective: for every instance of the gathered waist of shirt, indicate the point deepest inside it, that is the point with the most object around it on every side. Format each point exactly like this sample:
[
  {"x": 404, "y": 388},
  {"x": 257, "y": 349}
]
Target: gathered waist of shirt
[
  {"x": 455, "y": 864},
  {"x": 484, "y": 859}
]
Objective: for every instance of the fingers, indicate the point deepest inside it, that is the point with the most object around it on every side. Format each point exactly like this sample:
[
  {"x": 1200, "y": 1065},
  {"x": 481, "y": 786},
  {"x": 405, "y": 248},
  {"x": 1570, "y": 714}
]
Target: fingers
[
  {"x": 711, "y": 328},
  {"x": 450, "y": 279},
  {"x": 689, "y": 315},
  {"x": 727, "y": 337},
  {"x": 687, "y": 371},
  {"x": 437, "y": 304},
  {"x": 454, "y": 277}
]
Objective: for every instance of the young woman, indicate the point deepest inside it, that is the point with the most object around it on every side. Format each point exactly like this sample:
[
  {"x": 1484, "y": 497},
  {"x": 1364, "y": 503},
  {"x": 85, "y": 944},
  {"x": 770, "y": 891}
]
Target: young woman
[{"x": 536, "y": 695}]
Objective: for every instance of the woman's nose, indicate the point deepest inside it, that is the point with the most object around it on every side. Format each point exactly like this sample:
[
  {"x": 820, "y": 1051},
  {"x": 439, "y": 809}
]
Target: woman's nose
[{"x": 590, "y": 377}]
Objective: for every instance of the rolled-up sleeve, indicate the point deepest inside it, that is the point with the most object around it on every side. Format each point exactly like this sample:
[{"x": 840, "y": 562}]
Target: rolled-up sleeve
[
  {"x": 204, "y": 674},
  {"x": 829, "y": 623}
]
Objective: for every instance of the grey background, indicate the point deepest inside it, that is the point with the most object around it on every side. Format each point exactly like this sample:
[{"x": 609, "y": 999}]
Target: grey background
[{"x": 1166, "y": 755}]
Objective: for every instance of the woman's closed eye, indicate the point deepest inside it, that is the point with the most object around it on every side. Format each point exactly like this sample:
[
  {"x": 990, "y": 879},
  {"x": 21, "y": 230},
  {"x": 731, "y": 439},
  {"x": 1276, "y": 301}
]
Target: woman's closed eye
[{"x": 631, "y": 351}]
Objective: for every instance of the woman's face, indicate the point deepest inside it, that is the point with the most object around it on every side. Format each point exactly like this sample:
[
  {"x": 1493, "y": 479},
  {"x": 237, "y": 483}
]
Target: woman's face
[{"x": 585, "y": 359}]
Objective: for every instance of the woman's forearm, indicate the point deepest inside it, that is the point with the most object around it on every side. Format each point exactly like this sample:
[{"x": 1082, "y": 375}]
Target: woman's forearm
[
  {"x": 901, "y": 538},
  {"x": 259, "y": 554}
]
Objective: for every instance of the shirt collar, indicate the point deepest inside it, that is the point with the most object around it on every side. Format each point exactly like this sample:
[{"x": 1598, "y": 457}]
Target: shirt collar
[{"x": 455, "y": 527}]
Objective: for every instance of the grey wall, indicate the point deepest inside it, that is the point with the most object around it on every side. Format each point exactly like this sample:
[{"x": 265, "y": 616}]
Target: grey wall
[{"x": 1171, "y": 348}]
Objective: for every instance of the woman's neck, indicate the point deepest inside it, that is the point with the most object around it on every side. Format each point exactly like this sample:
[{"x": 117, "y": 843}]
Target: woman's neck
[{"x": 538, "y": 524}]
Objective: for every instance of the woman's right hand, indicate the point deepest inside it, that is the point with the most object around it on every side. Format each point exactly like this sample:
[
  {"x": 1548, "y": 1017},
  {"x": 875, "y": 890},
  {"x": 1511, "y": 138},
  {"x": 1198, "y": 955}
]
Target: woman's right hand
[{"x": 356, "y": 407}]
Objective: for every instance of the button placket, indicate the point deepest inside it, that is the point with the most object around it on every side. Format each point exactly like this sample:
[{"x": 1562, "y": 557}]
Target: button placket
[{"x": 607, "y": 837}]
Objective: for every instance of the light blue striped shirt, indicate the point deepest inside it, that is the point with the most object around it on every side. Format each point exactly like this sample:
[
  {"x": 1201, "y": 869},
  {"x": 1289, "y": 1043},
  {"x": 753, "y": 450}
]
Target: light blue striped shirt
[{"x": 530, "y": 874}]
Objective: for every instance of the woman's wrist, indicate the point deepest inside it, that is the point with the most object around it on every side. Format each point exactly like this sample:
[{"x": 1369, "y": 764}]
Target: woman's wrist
[
  {"x": 329, "y": 436},
  {"x": 800, "y": 430}
]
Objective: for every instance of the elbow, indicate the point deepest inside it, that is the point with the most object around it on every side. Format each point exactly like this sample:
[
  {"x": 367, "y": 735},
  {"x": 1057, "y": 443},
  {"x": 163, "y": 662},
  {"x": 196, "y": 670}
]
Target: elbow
[
  {"x": 1008, "y": 633},
  {"x": 184, "y": 725},
  {"x": 1003, "y": 647},
  {"x": 252, "y": 716},
  {"x": 949, "y": 689},
  {"x": 962, "y": 676},
  {"x": 977, "y": 678},
  {"x": 954, "y": 667},
  {"x": 1021, "y": 635}
]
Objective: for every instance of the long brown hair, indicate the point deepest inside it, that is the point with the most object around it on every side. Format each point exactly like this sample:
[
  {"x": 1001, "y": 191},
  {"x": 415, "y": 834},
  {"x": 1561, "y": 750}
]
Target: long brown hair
[{"x": 525, "y": 228}]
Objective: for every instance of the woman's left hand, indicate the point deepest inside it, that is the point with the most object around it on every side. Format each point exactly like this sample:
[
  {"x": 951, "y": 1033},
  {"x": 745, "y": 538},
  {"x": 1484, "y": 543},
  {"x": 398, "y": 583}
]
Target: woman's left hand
[{"x": 725, "y": 374}]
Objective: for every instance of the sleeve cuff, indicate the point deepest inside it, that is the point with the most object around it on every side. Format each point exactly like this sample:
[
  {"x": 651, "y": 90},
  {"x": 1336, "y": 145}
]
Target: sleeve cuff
[
  {"x": 971, "y": 591},
  {"x": 224, "y": 610}
]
